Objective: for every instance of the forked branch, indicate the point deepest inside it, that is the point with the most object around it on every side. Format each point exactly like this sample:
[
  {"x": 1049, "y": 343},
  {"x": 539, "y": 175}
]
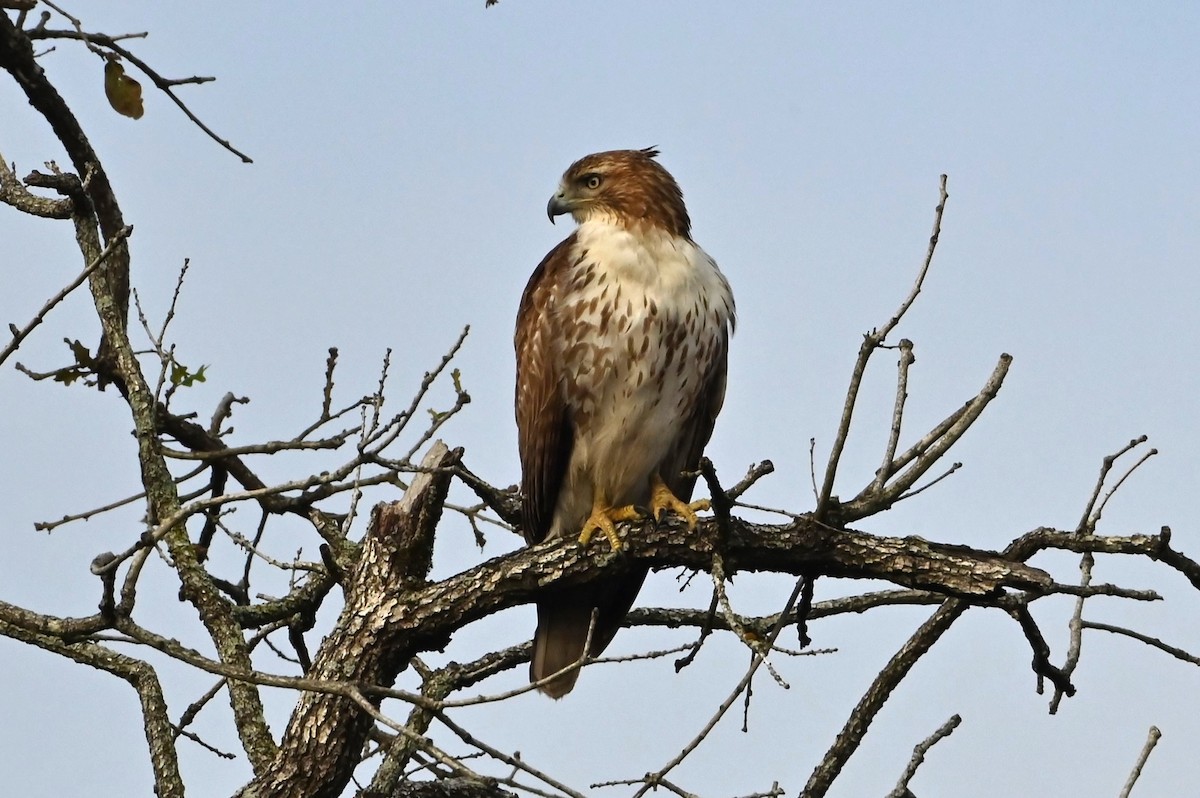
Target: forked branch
[{"x": 872, "y": 341}]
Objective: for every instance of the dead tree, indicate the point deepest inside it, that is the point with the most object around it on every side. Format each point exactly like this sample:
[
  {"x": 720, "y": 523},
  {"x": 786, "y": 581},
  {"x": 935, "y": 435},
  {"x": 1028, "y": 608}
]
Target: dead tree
[{"x": 347, "y": 708}]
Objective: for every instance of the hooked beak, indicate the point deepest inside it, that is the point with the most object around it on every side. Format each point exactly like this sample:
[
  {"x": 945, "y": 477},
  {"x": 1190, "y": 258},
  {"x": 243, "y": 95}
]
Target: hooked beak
[{"x": 558, "y": 205}]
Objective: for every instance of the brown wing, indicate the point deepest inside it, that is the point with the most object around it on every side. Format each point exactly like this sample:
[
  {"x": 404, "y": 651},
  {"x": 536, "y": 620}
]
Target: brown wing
[
  {"x": 544, "y": 434},
  {"x": 689, "y": 446}
]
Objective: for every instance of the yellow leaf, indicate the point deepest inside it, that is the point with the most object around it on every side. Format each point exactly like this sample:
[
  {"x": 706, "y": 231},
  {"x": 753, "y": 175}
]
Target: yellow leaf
[{"x": 123, "y": 92}]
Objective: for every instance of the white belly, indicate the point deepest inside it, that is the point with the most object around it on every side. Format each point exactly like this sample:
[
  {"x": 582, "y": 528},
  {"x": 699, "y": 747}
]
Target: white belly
[{"x": 648, "y": 316}]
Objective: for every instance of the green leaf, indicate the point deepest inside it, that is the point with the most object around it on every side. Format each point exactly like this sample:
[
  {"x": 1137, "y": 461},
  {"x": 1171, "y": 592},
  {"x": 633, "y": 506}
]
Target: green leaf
[
  {"x": 83, "y": 355},
  {"x": 181, "y": 377},
  {"x": 68, "y": 375}
]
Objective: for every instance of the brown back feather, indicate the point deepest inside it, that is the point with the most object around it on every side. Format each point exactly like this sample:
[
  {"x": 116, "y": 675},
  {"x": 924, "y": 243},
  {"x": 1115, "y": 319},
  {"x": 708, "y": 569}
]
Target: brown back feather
[{"x": 544, "y": 434}]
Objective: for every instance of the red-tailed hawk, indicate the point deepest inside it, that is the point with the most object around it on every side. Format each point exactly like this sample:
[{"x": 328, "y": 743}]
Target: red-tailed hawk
[{"x": 622, "y": 337}]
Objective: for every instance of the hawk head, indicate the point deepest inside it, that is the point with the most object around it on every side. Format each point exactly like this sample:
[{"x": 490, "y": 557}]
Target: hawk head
[{"x": 626, "y": 186}]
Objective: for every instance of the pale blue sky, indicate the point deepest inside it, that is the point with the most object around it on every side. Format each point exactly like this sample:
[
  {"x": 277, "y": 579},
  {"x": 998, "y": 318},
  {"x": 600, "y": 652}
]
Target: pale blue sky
[{"x": 403, "y": 157}]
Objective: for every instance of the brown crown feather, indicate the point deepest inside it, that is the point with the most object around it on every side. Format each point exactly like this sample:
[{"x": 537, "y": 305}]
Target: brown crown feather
[{"x": 635, "y": 188}]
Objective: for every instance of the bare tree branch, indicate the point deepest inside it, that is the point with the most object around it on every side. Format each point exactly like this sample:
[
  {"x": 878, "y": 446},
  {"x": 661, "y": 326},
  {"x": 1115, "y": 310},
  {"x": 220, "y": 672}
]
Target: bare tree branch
[
  {"x": 1041, "y": 654},
  {"x": 872, "y": 341},
  {"x": 1151, "y": 741},
  {"x": 166, "y": 85},
  {"x": 919, "y": 752},
  {"x": 1154, "y": 642},
  {"x": 20, "y": 335},
  {"x": 14, "y": 194},
  {"x": 869, "y": 502},
  {"x": 168, "y": 783},
  {"x": 877, "y": 694},
  {"x": 889, "y": 452},
  {"x": 320, "y": 747}
]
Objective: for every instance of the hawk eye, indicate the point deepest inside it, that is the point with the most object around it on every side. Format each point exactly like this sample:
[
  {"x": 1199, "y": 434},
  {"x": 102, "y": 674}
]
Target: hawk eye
[{"x": 592, "y": 181}]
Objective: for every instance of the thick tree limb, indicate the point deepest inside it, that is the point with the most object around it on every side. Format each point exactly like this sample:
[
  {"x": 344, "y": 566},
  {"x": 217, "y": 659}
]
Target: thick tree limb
[
  {"x": 406, "y": 616},
  {"x": 141, "y": 676},
  {"x": 321, "y": 746},
  {"x": 446, "y": 788},
  {"x": 402, "y": 622}
]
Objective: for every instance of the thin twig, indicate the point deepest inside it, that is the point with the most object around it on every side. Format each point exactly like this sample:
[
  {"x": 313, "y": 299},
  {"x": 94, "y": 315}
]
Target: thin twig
[
  {"x": 869, "y": 502},
  {"x": 1105, "y": 466},
  {"x": 730, "y": 699},
  {"x": 1154, "y": 642},
  {"x": 393, "y": 428},
  {"x": 270, "y": 447},
  {"x": 94, "y": 41},
  {"x": 1087, "y": 525},
  {"x": 871, "y": 342},
  {"x": 23, "y": 333},
  {"x": 1075, "y": 627},
  {"x": 706, "y": 628},
  {"x": 453, "y": 763},
  {"x": 1151, "y": 741},
  {"x": 515, "y": 762},
  {"x": 886, "y": 469},
  {"x": 812, "y": 468},
  {"x": 948, "y": 472},
  {"x": 751, "y": 641},
  {"x": 753, "y": 475},
  {"x": 919, "y": 752},
  {"x": 1095, "y": 519},
  {"x": 50, "y": 526}
]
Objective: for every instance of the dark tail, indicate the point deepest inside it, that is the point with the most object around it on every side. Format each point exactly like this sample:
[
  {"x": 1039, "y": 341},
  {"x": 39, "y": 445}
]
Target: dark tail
[{"x": 564, "y": 617}]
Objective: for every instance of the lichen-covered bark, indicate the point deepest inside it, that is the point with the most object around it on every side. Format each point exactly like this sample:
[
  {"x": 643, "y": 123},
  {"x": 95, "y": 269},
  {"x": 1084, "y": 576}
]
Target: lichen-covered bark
[
  {"x": 160, "y": 736},
  {"x": 324, "y": 738}
]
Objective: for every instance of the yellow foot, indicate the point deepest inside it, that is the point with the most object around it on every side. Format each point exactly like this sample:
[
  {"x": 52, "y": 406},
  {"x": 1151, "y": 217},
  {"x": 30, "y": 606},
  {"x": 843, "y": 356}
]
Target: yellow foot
[
  {"x": 662, "y": 499},
  {"x": 604, "y": 519}
]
